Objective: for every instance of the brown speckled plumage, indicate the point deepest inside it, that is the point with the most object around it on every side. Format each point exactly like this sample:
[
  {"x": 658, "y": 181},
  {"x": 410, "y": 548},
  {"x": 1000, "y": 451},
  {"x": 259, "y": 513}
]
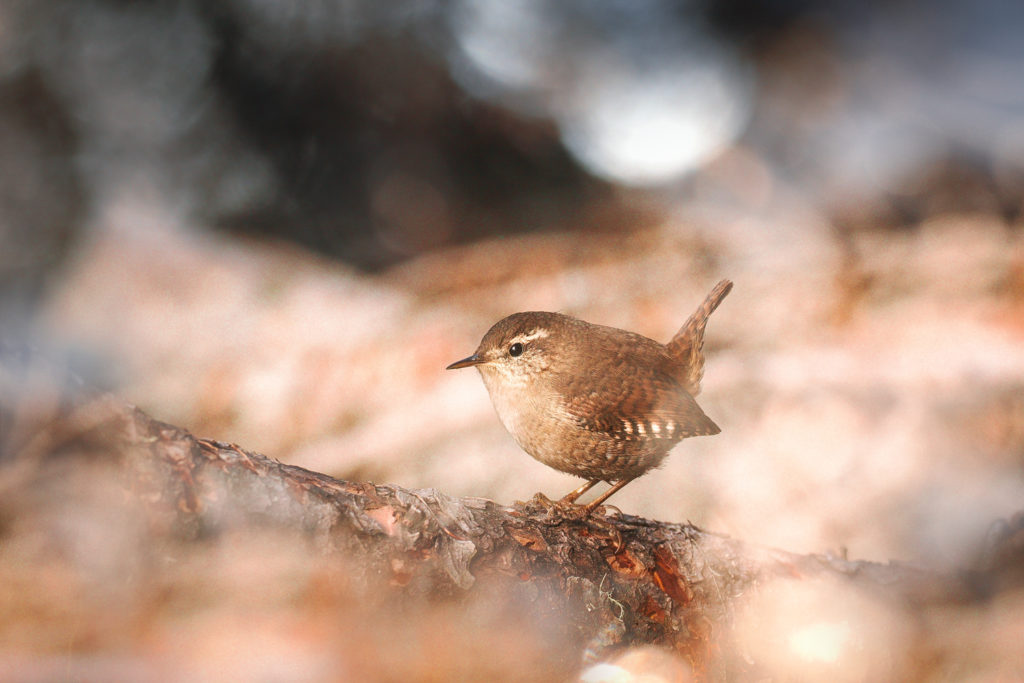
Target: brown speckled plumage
[{"x": 595, "y": 401}]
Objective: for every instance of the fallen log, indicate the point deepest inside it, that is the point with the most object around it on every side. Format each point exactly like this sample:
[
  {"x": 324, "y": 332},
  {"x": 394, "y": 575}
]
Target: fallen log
[{"x": 585, "y": 587}]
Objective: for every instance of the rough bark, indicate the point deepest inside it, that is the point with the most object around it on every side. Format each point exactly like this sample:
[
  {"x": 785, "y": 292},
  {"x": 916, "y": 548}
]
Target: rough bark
[{"x": 612, "y": 579}]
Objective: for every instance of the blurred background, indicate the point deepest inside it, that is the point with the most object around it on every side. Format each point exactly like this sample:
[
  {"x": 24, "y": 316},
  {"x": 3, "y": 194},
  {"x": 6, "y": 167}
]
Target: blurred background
[{"x": 276, "y": 223}]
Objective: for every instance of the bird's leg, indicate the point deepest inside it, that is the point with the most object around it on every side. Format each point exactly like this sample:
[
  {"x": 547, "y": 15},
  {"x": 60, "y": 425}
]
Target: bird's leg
[
  {"x": 607, "y": 494},
  {"x": 576, "y": 493}
]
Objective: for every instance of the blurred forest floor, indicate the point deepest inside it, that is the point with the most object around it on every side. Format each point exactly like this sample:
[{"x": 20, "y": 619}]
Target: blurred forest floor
[{"x": 869, "y": 384}]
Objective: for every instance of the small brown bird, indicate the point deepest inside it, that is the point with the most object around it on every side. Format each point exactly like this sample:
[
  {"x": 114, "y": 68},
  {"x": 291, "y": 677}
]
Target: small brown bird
[{"x": 594, "y": 401}]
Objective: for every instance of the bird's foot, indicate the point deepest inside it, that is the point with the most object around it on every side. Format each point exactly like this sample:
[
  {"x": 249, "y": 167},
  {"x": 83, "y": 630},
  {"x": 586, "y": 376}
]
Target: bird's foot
[
  {"x": 555, "y": 511},
  {"x": 602, "y": 509},
  {"x": 539, "y": 501}
]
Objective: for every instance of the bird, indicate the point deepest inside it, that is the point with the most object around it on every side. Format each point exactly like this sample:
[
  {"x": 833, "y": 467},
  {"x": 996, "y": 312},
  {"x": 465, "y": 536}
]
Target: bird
[{"x": 594, "y": 401}]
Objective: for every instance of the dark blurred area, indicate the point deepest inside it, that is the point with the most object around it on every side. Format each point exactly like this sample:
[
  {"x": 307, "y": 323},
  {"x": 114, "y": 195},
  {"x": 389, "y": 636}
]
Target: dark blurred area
[
  {"x": 372, "y": 132},
  {"x": 42, "y": 198}
]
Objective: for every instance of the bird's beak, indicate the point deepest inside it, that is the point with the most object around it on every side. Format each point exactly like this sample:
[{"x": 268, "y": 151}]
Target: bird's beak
[{"x": 466, "y": 362}]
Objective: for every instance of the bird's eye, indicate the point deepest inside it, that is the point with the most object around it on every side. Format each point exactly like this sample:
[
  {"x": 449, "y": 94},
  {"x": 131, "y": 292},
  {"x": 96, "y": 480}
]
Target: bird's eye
[{"x": 515, "y": 350}]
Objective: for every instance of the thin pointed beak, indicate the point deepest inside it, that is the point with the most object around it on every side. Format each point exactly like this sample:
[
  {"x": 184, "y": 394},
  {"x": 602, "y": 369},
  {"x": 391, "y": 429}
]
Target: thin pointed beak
[{"x": 466, "y": 362}]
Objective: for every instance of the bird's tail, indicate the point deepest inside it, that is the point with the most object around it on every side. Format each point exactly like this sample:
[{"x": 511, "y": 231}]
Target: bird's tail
[{"x": 688, "y": 343}]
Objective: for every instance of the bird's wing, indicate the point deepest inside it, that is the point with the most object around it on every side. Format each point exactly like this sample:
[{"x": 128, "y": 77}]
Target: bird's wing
[{"x": 651, "y": 406}]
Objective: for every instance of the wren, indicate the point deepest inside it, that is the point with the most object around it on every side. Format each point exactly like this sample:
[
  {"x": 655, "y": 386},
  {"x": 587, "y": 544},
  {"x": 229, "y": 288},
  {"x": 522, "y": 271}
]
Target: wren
[{"x": 597, "y": 402}]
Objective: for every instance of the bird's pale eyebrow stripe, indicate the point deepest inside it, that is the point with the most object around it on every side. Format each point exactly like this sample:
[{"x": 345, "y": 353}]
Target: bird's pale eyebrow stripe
[{"x": 539, "y": 334}]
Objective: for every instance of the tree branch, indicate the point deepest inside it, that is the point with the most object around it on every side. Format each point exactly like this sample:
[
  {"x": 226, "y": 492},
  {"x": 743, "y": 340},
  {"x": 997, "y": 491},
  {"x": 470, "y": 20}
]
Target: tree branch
[{"x": 612, "y": 579}]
